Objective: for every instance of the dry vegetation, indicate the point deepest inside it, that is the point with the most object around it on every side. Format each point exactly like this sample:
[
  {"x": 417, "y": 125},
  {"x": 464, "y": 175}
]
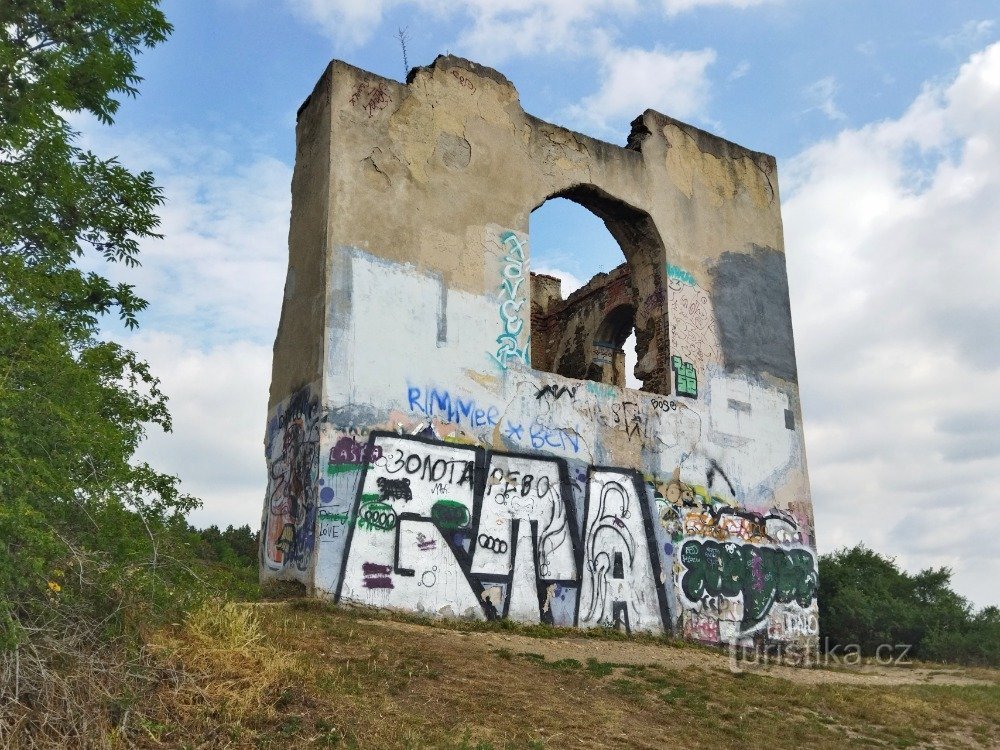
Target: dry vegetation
[{"x": 307, "y": 675}]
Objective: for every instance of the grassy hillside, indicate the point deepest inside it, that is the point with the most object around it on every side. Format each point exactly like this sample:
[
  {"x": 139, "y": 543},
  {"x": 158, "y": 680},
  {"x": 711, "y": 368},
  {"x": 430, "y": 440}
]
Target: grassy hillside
[{"x": 301, "y": 674}]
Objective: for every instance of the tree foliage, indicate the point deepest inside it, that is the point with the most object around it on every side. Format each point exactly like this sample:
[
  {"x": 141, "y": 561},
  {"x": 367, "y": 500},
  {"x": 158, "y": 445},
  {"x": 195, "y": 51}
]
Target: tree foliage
[
  {"x": 58, "y": 201},
  {"x": 235, "y": 546},
  {"x": 85, "y": 530},
  {"x": 865, "y": 599}
]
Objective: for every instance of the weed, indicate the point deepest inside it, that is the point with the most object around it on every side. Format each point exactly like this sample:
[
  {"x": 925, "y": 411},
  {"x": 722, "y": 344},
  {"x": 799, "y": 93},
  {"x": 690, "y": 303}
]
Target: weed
[
  {"x": 599, "y": 668},
  {"x": 566, "y": 664},
  {"x": 628, "y": 689}
]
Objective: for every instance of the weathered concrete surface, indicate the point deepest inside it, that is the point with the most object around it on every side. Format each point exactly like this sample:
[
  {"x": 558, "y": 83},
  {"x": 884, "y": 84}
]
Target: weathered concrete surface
[{"x": 416, "y": 458}]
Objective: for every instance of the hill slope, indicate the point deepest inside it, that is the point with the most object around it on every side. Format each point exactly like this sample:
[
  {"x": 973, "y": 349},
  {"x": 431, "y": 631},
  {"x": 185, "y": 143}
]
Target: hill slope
[{"x": 306, "y": 675}]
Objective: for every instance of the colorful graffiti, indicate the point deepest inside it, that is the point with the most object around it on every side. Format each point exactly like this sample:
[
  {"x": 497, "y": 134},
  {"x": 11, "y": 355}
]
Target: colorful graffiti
[
  {"x": 292, "y": 452},
  {"x": 760, "y": 576},
  {"x": 460, "y": 530}
]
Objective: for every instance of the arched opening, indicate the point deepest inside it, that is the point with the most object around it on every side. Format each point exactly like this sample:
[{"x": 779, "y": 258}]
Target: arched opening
[
  {"x": 597, "y": 286},
  {"x": 611, "y": 343}
]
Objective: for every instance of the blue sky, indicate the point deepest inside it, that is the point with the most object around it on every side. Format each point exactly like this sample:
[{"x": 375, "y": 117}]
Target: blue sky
[{"x": 884, "y": 117}]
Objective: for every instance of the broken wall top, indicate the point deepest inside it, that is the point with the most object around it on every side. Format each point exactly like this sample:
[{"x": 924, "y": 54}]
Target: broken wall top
[{"x": 415, "y": 171}]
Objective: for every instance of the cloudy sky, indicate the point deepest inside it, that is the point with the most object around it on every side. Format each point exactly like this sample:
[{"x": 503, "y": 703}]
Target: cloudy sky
[{"x": 884, "y": 117}]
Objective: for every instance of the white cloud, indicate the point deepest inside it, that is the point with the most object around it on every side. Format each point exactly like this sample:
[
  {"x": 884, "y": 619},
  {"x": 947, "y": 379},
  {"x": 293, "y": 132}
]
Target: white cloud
[
  {"x": 348, "y": 22},
  {"x": 821, "y": 94},
  {"x": 496, "y": 30},
  {"x": 219, "y": 272},
  {"x": 214, "y": 286},
  {"x": 502, "y": 29},
  {"x": 970, "y": 35},
  {"x": 218, "y": 402},
  {"x": 633, "y": 80},
  {"x": 891, "y": 230},
  {"x": 674, "y": 7},
  {"x": 570, "y": 283},
  {"x": 740, "y": 70}
]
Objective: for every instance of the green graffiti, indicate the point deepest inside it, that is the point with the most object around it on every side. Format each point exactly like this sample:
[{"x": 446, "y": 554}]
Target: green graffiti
[
  {"x": 377, "y": 517},
  {"x": 329, "y": 517},
  {"x": 676, "y": 272},
  {"x": 686, "y": 377},
  {"x": 764, "y": 575},
  {"x": 449, "y": 514},
  {"x": 334, "y": 469}
]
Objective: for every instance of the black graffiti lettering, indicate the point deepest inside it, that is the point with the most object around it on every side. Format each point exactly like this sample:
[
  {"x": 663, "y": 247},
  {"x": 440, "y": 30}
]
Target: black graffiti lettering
[
  {"x": 543, "y": 481},
  {"x": 556, "y": 392},
  {"x": 394, "y": 489},
  {"x": 467, "y": 474},
  {"x": 526, "y": 484},
  {"x": 492, "y": 543},
  {"x": 440, "y": 470}
]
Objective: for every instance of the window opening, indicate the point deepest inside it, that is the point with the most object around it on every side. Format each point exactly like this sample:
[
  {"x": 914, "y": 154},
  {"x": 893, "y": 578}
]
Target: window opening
[{"x": 585, "y": 293}]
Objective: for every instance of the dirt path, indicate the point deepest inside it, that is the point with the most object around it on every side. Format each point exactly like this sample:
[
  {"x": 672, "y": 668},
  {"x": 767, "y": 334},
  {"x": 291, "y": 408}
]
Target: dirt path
[{"x": 674, "y": 657}]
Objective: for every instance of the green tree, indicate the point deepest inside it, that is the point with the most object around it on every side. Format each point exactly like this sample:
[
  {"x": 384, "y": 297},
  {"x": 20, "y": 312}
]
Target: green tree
[
  {"x": 865, "y": 599},
  {"x": 59, "y": 202},
  {"x": 85, "y": 531}
]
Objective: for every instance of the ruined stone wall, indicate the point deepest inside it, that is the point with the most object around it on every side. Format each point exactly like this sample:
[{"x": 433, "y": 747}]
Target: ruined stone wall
[{"x": 418, "y": 460}]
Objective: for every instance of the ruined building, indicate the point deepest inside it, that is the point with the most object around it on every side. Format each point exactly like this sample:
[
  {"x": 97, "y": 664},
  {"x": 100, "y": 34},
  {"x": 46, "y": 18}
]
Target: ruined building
[{"x": 447, "y": 434}]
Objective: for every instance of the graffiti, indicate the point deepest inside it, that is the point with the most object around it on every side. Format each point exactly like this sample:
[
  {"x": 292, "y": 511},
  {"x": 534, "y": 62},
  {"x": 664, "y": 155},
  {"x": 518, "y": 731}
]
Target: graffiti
[
  {"x": 492, "y": 543},
  {"x": 358, "y": 92},
  {"x": 620, "y": 586},
  {"x": 543, "y": 436},
  {"x": 654, "y": 300},
  {"x": 685, "y": 378},
  {"x": 664, "y": 404},
  {"x": 448, "y": 514},
  {"x": 793, "y": 624},
  {"x": 556, "y": 392},
  {"x": 394, "y": 489},
  {"x": 521, "y": 491},
  {"x": 425, "y": 544},
  {"x": 465, "y": 82},
  {"x": 762, "y": 575},
  {"x": 514, "y": 431},
  {"x": 293, "y": 469},
  {"x": 376, "y": 576},
  {"x": 514, "y": 266},
  {"x": 376, "y": 95},
  {"x": 624, "y": 416},
  {"x": 427, "y": 468},
  {"x": 375, "y": 515},
  {"x": 679, "y": 274},
  {"x": 434, "y": 402},
  {"x": 694, "y": 335},
  {"x": 450, "y": 528},
  {"x": 349, "y": 451},
  {"x": 701, "y": 627}
]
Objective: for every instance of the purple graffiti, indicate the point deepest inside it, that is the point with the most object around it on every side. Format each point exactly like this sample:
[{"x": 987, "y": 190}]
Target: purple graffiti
[
  {"x": 349, "y": 451},
  {"x": 376, "y": 576}
]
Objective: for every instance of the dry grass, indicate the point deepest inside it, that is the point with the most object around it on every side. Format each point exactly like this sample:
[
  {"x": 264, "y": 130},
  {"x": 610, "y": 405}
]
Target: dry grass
[{"x": 304, "y": 675}]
